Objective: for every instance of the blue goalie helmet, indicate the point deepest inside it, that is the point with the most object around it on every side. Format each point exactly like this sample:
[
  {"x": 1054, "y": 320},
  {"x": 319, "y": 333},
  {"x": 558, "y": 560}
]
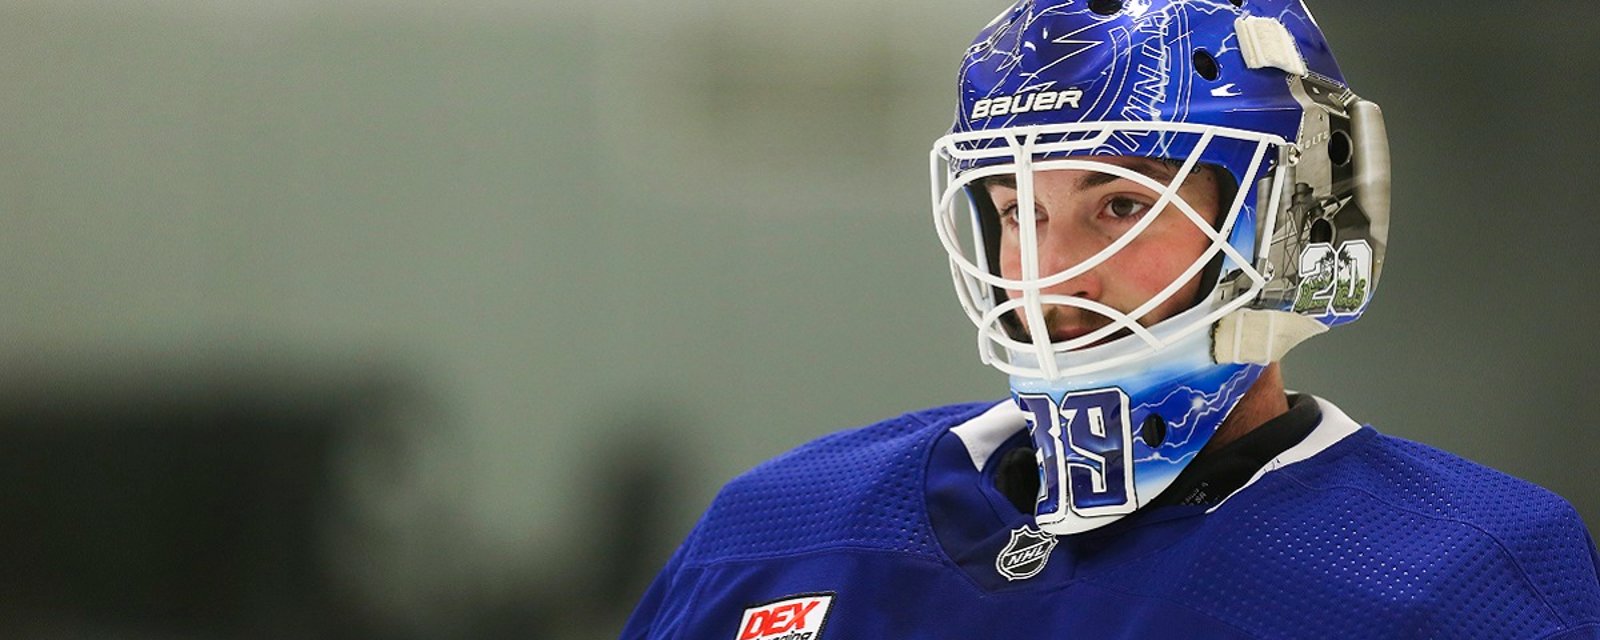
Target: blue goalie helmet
[{"x": 1145, "y": 203}]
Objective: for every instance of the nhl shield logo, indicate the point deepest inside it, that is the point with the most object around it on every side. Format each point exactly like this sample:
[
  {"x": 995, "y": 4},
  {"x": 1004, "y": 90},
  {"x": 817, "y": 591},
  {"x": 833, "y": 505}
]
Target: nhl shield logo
[{"x": 1024, "y": 556}]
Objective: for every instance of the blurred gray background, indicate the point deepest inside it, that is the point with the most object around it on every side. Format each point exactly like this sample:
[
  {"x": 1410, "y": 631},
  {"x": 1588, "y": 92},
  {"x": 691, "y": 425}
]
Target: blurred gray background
[{"x": 415, "y": 319}]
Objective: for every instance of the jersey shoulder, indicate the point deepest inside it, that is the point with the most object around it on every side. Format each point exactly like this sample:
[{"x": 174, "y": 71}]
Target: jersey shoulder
[
  {"x": 861, "y": 488},
  {"x": 1463, "y": 532},
  {"x": 1412, "y": 477}
]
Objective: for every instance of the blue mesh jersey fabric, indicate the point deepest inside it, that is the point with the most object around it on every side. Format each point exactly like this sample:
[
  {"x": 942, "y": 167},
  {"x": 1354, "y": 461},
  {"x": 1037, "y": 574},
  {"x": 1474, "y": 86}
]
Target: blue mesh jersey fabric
[
  {"x": 893, "y": 528},
  {"x": 1419, "y": 542},
  {"x": 860, "y": 488}
]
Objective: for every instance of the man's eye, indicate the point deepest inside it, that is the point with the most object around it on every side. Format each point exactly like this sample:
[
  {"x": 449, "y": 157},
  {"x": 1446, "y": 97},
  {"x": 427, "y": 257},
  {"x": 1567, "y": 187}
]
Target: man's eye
[
  {"x": 1010, "y": 218},
  {"x": 1125, "y": 208}
]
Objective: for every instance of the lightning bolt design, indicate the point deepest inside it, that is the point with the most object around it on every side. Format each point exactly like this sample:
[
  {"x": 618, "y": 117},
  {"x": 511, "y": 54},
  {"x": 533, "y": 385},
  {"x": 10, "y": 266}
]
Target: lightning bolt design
[{"x": 1196, "y": 407}]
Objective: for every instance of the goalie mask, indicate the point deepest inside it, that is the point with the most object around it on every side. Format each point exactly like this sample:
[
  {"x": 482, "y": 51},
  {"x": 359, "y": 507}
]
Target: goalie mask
[{"x": 1144, "y": 204}]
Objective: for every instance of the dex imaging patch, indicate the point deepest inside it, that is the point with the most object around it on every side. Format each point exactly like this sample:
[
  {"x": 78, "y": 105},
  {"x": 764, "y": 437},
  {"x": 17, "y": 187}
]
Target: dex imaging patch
[{"x": 796, "y": 618}]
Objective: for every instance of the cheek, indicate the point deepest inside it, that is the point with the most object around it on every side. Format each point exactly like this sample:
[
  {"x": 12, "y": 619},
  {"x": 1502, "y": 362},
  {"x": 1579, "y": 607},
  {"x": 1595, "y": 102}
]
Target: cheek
[
  {"x": 1011, "y": 269},
  {"x": 1145, "y": 273},
  {"x": 1010, "y": 258},
  {"x": 1146, "y": 267}
]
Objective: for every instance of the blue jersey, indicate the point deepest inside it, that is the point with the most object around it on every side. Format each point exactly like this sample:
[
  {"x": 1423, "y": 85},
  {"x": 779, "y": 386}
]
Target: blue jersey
[{"x": 897, "y": 531}]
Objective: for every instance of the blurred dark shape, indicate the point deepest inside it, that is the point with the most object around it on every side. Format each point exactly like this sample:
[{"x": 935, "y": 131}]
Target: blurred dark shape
[
  {"x": 629, "y": 533},
  {"x": 176, "y": 501},
  {"x": 635, "y": 506}
]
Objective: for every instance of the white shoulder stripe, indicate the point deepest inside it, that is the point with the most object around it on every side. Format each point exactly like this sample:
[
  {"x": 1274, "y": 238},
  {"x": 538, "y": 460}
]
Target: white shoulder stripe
[
  {"x": 1335, "y": 426},
  {"x": 986, "y": 431}
]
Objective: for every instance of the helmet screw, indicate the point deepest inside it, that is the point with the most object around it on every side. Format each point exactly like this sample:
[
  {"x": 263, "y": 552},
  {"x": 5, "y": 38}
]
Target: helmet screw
[
  {"x": 1154, "y": 430},
  {"x": 1105, "y": 7},
  {"x": 1206, "y": 65},
  {"x": 1340, "y": 148}
]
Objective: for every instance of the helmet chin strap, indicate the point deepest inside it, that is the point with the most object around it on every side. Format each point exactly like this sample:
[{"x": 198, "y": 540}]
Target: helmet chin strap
[{"x": 1260, "y": 336}]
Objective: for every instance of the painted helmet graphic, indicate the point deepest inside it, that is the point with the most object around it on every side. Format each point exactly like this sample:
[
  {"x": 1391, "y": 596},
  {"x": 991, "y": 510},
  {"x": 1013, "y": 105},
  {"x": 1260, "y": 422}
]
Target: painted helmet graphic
[{"x": 1152, "y": 97}]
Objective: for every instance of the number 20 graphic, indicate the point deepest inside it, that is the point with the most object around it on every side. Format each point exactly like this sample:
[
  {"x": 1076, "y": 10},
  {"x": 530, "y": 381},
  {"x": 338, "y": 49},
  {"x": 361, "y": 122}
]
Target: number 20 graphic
[{"x": 1088, "y": 441}]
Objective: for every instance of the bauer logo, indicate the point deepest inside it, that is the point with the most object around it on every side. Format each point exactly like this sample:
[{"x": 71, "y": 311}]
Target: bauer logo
[
  {"x": 1026, "y": 102},
  {"x": 1026, "y": 554},
  {"x": 793, "y": 618}
]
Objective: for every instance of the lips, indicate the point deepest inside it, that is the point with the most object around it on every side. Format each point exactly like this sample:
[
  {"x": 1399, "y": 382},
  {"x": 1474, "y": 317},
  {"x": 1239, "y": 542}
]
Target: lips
[
  {"x": 1063, "y": 334},
  {"x": 1071, "y": 332},
  {"x": 1067, "y": 323}
]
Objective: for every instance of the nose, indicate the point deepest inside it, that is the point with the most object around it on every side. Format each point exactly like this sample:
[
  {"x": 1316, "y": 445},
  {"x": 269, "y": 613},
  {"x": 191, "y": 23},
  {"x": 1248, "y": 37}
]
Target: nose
[{"x": 1059, "y": 252}]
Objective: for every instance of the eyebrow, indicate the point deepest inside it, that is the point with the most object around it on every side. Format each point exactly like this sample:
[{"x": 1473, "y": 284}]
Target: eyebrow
[
  {"x": 1007, "y": 181},
  {"x": 1159, "y": 170}
]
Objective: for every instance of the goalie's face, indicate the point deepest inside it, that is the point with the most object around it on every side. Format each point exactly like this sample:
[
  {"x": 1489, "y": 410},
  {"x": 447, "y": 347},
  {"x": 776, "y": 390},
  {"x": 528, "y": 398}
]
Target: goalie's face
[{"x": 1079, "y": 213}]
